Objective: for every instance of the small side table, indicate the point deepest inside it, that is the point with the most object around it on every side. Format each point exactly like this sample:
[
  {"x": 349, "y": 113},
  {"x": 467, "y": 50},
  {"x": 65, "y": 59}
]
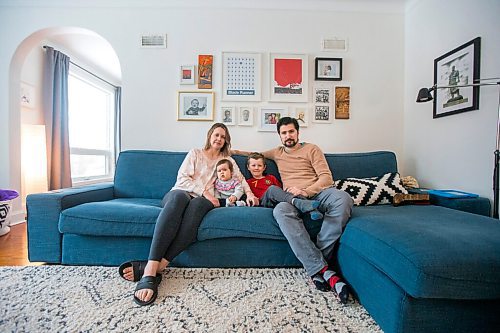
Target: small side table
[{"x": 479, "y": 205}]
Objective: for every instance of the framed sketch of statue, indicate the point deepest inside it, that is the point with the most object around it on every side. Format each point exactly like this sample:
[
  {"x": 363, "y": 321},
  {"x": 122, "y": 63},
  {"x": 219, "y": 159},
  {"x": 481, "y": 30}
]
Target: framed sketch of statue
[{"x": 457, "y": 67}]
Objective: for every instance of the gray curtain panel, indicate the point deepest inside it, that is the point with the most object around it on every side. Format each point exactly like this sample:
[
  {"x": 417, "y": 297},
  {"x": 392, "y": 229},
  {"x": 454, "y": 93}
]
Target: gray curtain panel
[
  {"x": 55, "y": 109},
  {"x": 118, "y": 112}
]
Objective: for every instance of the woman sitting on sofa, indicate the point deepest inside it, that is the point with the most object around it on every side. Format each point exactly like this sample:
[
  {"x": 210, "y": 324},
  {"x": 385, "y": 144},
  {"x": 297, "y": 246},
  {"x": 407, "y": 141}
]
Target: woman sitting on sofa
[{"x": 184, "y": 206}]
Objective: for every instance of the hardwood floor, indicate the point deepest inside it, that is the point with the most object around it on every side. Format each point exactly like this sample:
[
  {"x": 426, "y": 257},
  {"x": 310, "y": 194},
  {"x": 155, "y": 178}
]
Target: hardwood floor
[{"x": 14, "y": 247}]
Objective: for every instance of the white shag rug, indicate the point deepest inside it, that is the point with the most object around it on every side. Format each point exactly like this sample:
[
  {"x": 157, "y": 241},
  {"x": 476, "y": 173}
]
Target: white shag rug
[{"x": 96, "y": 299}]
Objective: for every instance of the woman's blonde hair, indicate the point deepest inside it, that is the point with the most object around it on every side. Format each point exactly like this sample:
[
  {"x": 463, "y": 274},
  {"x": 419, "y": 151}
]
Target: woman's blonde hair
[{"x": 226, "y": 148}]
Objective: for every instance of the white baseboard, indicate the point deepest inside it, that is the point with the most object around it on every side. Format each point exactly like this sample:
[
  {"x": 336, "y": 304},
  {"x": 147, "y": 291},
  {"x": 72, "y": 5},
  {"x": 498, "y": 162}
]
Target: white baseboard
[{"x": 17, "y": 217}]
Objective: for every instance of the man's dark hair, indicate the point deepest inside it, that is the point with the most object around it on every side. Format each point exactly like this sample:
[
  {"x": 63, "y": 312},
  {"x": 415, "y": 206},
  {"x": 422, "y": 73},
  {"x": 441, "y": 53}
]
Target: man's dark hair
[{"x": 287, "y": 121}]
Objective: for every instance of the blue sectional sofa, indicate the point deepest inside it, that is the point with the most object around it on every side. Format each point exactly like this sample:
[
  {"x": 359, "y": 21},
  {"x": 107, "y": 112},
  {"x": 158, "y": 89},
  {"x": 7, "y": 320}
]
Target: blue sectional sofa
[{"x": 414, "y": 268}]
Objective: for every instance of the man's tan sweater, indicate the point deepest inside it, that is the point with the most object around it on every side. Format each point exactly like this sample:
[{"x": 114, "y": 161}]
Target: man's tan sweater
[{"x": 305, "y": 168}]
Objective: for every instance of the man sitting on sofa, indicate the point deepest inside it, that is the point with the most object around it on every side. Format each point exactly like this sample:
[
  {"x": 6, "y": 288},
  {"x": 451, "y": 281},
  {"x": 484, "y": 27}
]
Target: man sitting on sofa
[{"x": 305, "y": 172}]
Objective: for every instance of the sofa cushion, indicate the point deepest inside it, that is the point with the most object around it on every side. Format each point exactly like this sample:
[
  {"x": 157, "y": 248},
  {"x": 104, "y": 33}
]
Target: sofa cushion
[
  {"x": 247, "y": 222},
  {"x": 146, "y": 174},
  {"x": 429, "y": 251},
  {"x": 117, "y": 217},
  {"x": 373, "y": 190}
]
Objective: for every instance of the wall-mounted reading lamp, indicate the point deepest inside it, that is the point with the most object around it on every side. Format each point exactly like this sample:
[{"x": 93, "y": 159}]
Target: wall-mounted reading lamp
[{"x": 424, "y": 95}]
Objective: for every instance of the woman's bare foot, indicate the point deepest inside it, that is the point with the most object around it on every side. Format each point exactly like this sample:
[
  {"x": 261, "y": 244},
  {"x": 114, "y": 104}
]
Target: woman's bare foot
[
  {"x": 128, "y": 272},
  {"x": 152, "y": 268}
]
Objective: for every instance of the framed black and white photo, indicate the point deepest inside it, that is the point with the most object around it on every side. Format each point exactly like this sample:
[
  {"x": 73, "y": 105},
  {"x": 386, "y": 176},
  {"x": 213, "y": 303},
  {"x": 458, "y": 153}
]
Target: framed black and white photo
[
  {"x": 328, "y": 69},
  {"x": 227, "y": 115},
  {"x": 195, "y": 105},
  {"x": 245, "y": 116},
  {"x": 457, "y": 67}
]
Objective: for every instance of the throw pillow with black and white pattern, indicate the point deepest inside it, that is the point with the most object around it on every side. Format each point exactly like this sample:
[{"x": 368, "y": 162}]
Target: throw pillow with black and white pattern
[{"x": 372, "y": 191}]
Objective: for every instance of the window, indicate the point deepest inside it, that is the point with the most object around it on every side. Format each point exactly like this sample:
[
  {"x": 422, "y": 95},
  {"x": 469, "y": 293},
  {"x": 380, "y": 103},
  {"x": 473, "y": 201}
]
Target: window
[{"x": 91, "y": 118}]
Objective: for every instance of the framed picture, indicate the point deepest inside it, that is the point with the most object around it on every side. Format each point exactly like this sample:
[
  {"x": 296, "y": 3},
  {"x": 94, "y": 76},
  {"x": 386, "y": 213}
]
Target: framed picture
[
  {"x": 27, "y": 95},
  {"x": 328, "y": 69},
  {"x": 289, "y": 77},
  {"x": 187, "y": 74},
  {"x": 302, "y": 115},
  {"x": 322, "y": 114},
  {"x": 227, "y": 115},
  {"x": 195, "y": 105},
  {"x": 205, "y": 70},
  {"x": 245, "y": 117},
  {"x": 457, "y": 67},
  {"x": 241, "y": 76},
  {"x": 342, "y": 102},
  {"x": 323, "y": 101},
  {"x": 269, "y": 116},
  {"x": 322, "y": 95}
]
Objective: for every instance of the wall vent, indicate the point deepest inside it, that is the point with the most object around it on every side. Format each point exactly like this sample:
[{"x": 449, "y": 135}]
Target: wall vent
[
  {"x": 155, "y": 41},
  {"x": 334, "y": 44}
]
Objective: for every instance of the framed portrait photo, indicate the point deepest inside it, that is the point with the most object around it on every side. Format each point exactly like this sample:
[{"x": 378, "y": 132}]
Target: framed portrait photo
[
  {"x": 227, "y": 115},
  {"x": 269, "y": 116},
  {"x": 289, "y": 77},
  {"x": 245, "y": 116},
  {"x": 195, "y": 105},
  {"x": 457, "y": 67},
  {"x": 241, "y": 76},
  {"x": 328, "y": 69},
  {"x": 187, "y": 74}
]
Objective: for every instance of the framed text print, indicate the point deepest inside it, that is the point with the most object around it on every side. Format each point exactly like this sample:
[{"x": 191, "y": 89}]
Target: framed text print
[
  {"x": 241, "y": 76},
  {"x": 289, "y": 77}
]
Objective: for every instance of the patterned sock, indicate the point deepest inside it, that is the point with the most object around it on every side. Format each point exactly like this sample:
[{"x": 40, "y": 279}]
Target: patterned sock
[
  {"x": 336, "y": 284},
  {"x": 305, "y": 206},
  {"x": 240, "y": 203},
  {"x": 316, "y": 215},
  {"x": 320, "y": 283}
]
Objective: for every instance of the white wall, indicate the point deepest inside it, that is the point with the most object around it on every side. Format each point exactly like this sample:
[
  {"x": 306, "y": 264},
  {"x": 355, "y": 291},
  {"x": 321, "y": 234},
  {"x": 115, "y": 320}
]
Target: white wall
[
  {"x": 454, "y": 151},
  {"x": 373, "y": 67}
]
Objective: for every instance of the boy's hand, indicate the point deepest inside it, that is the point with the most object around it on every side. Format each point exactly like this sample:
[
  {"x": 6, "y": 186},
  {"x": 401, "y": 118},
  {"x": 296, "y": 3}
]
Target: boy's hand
[{"x": 252, "y": 200}]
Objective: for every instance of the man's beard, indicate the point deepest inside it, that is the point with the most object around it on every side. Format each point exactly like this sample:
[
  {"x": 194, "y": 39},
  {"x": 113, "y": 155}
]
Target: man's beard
[{"x": 290, "y": 143}]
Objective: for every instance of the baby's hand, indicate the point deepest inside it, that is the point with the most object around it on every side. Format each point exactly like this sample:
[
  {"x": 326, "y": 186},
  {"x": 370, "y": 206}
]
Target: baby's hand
[{"x": 232, "y": 198}]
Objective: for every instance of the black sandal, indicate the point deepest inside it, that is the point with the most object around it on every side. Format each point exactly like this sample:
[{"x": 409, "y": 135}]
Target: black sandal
[
  {"x": 148, "y": 282},
  {"x": 137, "y": 266}
]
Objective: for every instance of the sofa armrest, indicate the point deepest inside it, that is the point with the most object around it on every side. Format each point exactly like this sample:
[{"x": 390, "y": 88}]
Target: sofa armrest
[{"x": 43, "y": 211}]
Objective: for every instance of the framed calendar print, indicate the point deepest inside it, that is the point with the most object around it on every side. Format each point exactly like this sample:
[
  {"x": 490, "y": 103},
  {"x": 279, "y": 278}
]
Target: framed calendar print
[{"x": 241, "y": 76}]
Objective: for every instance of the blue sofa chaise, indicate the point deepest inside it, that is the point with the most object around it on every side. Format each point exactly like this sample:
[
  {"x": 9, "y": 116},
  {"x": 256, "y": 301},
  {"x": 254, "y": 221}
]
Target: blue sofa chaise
[{"x": 415, "y": 268}]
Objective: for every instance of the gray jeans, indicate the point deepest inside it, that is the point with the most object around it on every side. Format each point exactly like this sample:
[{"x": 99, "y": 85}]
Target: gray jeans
[
  {"x": 177, "y": 225},
  {"x": 336, "y": 205}
]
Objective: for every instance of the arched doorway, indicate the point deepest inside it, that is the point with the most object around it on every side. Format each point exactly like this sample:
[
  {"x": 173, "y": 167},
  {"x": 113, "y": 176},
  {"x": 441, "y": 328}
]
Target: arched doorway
[{"x": 85, "y": 48}]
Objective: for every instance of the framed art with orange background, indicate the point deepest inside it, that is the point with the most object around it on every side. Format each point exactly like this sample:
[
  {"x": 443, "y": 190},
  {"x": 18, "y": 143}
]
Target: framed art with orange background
[{"x": 205, "y": 70}]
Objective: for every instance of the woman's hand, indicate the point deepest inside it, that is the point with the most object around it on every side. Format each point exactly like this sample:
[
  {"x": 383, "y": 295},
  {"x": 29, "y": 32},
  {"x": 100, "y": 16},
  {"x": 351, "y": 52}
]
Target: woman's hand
[
  {"x": 211, "y": 198},
  {"x": 252, "y": 200}
]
